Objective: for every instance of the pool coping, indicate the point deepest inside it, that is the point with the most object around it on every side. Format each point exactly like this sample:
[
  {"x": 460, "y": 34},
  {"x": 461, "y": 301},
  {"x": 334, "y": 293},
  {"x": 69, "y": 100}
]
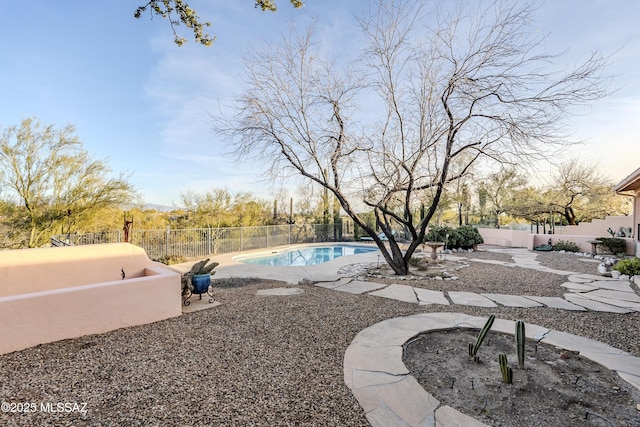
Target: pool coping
[{"x": 264, "y": 253}]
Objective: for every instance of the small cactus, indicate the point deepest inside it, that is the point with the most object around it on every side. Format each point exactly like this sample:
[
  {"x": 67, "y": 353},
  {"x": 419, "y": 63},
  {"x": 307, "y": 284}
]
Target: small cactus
[
  {"x": 520, "y": 340},
  {"x": 505, "y": 370},
  {"x": 473, "y": 349}
]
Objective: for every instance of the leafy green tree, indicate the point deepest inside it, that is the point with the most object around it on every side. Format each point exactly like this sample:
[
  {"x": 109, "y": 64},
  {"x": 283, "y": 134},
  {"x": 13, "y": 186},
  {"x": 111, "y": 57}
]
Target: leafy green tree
[
  {"x": 578, "y": 192},
  {"x": 112, "y": 218},
  {"x": 500, "y": 187},
  {"x": 51, "y": 183},
  {"x": 207, "y": 210},
  {"x": 248, "y": 211},
  {"x": 528, "y": 203},
  {"x": 179, "y": 12},
  {"x": 482, "y": 201},
  {"x": 219, "y": 208}
]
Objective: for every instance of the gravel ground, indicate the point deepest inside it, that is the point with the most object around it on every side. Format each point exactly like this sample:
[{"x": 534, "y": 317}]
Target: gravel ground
[{"x": 253, "y": 360}]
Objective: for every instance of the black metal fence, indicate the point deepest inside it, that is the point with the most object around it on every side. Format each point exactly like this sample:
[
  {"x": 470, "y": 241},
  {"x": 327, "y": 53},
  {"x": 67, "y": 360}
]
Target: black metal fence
[{"x": 200, "y": 242}]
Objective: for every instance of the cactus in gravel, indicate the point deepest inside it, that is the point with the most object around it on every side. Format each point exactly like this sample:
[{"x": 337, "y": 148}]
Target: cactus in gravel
[
  {"x": 520, "y": 339},
  {"x": 505, "y": 370},
  {"x": 473, "y": 349}
]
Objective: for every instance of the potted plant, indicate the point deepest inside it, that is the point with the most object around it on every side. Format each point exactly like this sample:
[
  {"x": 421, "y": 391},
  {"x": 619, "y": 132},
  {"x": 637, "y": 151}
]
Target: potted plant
[{"x": 198, "y": 281}]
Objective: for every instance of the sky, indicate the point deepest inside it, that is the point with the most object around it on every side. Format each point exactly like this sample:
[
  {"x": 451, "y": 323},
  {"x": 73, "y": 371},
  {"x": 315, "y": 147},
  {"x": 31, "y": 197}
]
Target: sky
[{"x": 144, "y": 104}]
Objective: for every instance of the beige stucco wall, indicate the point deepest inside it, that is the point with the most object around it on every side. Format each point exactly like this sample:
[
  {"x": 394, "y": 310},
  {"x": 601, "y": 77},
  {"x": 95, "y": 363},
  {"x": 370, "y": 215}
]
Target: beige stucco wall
[
  {"x": 589, "y": 231},
  {"x": 504, "y": 237},
  {"x": 597, "y": 227},
  {"x": 54, "y": 268},
  {"x": 581, "y": 241},
  {"x": 72, "y": 291}
]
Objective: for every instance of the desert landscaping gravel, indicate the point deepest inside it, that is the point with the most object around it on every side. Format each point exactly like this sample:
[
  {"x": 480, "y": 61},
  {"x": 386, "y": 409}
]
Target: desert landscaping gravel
[{"x": 258, "y": 360}]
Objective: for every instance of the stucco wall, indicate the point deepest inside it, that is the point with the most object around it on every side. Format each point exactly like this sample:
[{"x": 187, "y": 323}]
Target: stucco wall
[
  {"x": 60, "y": 301},
  {"x": 597, "y": 227},
  {"x": 35, "y": 270},
  {"x": 581, "y": 241},
  {"x": 525, "y": 239},
  {"x": 505, "y": 237}
]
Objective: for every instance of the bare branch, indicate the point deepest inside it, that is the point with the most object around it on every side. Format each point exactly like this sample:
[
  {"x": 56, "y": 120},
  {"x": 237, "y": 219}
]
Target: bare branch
[{"x": 440, "y": 96}]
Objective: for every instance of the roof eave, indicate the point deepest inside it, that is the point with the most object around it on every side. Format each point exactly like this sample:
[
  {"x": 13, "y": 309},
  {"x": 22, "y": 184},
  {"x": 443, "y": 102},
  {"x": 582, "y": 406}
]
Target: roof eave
[{"x": 630, "y": 183}]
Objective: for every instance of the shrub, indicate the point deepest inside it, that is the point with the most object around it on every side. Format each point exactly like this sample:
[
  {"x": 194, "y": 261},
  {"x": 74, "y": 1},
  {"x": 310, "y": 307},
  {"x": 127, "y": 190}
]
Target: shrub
[
  {"x": 628, "y": 266},
  {"x": 468, "y": 236},
  {"x": 565, "y": 246},
  {"x": 171, "y": 259},
  {"x": 614, "y": 244},
  {"x": 438, "y": 233},
  {"x": 464, "y": 236}
]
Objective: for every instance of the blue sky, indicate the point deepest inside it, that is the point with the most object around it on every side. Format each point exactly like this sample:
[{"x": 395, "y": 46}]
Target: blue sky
[{"x": 144, "y": 103}]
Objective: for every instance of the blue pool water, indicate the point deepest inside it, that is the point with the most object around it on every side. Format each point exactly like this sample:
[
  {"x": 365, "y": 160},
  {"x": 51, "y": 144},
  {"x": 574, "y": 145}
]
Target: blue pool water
[{"x": 307, "y": 256}]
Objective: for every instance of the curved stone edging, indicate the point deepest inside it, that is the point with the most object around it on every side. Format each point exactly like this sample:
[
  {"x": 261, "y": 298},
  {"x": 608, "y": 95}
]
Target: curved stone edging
[{"x": 390, "y": 396}]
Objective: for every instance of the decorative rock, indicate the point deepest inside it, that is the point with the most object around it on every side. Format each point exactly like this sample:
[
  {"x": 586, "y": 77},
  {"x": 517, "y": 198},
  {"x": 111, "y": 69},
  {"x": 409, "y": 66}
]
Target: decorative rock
[
  {"x": 623, "y": 276},
  {"x": 603, "y": 271},
  {"x": 615, "y": 274}
]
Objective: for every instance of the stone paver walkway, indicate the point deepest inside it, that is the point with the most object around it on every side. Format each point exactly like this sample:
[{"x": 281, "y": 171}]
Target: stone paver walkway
[{"x": 584, "y": 291}]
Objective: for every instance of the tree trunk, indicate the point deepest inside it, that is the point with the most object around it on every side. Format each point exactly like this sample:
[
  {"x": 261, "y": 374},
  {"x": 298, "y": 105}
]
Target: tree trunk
[{"x": 569, "y": 215}]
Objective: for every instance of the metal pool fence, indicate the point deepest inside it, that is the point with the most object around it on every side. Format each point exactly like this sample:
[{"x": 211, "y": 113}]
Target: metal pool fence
[{"x": 200, "y": 242}]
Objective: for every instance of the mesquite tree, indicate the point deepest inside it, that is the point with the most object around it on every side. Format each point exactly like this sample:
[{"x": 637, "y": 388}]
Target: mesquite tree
[
  {"x": 428, "y": 96},
  {"x": 48, "y": 181}
]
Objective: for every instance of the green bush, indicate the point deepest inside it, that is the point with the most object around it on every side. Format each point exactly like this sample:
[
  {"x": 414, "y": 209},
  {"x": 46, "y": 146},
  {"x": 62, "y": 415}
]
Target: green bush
[
  {"x": 561, "y": 245},
  {"x": 468, "y": 236},
  {"x": 438, "y": 233},
  {"x": 464, "y": 236},
  {"x": 628, "y": 266},
  {"x": 171, "y": 259},
  {"x": 614, "y": 244},
  {"x": 370, "y": 219}
]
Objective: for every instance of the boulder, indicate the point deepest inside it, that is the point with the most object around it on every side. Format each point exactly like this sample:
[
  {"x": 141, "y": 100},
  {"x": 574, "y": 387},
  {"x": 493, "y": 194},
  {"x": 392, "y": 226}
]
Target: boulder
[{"x": 603, "y": 270}]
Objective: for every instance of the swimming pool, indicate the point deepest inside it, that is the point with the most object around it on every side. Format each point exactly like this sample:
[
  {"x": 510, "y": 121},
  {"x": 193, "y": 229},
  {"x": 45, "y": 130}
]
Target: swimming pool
[{"x": 306, "y": 255}]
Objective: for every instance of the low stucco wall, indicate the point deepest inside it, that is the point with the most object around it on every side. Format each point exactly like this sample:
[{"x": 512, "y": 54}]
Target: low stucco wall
[
  {"x": 581, "y": 241},
  {"x": 57, "y": 293},
  {"x": 524, "y": 239},
  {"x": 597, "y": 227},
  {"x": 505, "y": 237}
]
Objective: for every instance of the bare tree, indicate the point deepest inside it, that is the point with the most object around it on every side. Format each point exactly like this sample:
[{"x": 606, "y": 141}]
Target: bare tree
[{"x": 418, "y": 98}]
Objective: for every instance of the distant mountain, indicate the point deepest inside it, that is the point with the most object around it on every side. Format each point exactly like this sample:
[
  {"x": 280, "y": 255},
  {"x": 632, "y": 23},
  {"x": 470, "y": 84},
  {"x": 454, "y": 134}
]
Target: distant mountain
[{"x": 159, "y": 208}]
